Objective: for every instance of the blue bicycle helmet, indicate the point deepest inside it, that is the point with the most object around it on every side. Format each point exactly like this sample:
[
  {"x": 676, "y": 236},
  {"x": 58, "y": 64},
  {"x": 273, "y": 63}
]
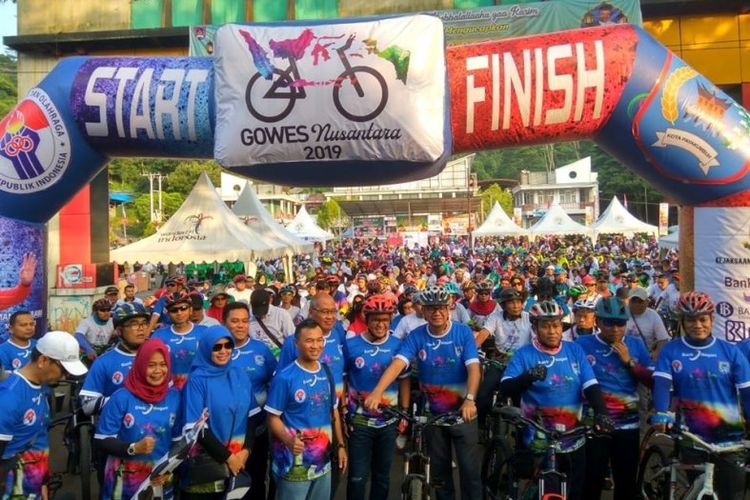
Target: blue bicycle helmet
[
  {"x": 612, "y": 308},
  {"x": 127, "y": 310}
]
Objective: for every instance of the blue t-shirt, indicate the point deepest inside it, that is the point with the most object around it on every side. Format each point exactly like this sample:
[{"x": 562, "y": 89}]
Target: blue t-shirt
[
  {"x": 182, "y": 348},
  {"x": 365, "y": 363},
  {"x": 107, "y": 373},
  {"x": 302, "y": 399},
  {"x": 705, "y": 381},
  {"x": 744, "y": 348},
  {"x": 23, "y": 425},
  {"x": 257, "y": 360},
  {"x": 13, "y": 357},
  {"x": 130, "y": 419},
  {"x": 334, "y": 354},
  {"x": 160, "y": 308},
  {"x": 558, "y": 399},
  {"x": 395, "y": 321},
  {"x": 619, "y": 385},
  {"x": 441, "y": 364}
]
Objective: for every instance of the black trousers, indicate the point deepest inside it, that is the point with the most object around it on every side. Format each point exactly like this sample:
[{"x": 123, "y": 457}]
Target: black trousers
[
  {"x": 257, "y": 467},
  {"x": 621, "y": 449}
]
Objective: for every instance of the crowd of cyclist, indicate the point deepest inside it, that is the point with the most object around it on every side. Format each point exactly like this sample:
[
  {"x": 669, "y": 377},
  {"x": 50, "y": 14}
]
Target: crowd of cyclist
[{"x": 294, "y": 378}]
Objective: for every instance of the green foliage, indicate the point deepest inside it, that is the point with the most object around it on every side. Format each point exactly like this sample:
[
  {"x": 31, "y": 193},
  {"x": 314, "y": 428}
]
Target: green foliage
[
  {"x": 494, "y": 193},
  {"x": 331, "y": 215},
  {"x": 139, "y": 217},
  {"x": 8, "y": 84},
  {"x": 184, "y": 177}
]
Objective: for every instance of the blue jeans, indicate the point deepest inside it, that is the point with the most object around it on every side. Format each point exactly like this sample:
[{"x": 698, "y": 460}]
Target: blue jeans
[
  {"x": 370, "y": 452},
  {"x": 316, "y": 489}
]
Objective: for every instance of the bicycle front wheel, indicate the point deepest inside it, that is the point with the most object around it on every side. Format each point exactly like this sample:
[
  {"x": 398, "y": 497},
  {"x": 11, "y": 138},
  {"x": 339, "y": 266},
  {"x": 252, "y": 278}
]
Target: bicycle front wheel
[
  {"x": 271, "y": 100},
  {"x": 360, "y": 94},
  {"x": 496, "y": 472},
  {"x": 653, "y": 475},
  {"x": 415, "y": 489}
]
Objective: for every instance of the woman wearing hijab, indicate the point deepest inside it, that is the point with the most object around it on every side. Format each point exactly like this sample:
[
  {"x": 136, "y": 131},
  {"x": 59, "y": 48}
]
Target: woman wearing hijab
[
  {"x": 138, "y": 423},
  {"x": 233, "y": 414}
]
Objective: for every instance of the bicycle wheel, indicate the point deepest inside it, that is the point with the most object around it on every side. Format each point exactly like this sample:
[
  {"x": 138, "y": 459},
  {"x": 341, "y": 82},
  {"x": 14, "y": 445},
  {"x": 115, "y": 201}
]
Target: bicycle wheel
[
  {"x": 266, "y": 92},
  {"x": 356, "y": 90},
  {"x": 415, "y": 490},
  {"x": 84, "y": 460},
  {"x": 653, "y": 475},
  {"x": 496, "y": 471}
]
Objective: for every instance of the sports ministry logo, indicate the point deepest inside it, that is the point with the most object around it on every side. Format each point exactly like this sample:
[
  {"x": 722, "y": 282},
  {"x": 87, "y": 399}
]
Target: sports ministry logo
[{"x": 34, "y": 145}]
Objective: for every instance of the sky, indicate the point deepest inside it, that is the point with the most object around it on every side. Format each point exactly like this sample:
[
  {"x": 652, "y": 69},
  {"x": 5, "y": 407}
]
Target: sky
[{"x": 7, "y": 21}]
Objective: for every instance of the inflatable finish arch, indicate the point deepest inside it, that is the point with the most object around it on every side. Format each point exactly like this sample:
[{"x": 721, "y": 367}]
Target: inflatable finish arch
[{"x": 615, "y": 84}]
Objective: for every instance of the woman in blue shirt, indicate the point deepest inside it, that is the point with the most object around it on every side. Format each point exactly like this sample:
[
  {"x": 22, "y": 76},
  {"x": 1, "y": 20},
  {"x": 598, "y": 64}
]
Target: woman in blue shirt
[
  {"x": 138, "y": 423},
  {"x": 233, "y": 415}
]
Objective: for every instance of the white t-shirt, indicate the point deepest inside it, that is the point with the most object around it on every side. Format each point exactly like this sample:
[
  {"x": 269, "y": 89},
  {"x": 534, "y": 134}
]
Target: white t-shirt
[
  {"x": 97, "y": 335},
  {"x": 509, "y": 335},
  {"x": 209, "y": 321},
  {"x": 278, "y": 322},
  {"x": 652, "y": 328},
  {"x": 241, "y": 296},
  {"x": 407, "y": 324}
]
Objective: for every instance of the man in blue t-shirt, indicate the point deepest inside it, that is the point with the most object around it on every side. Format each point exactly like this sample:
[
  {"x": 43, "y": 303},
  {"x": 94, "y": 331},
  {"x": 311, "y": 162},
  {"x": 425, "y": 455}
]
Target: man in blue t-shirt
[
  {"x": 551, "y": 376},
  {"x": 372, "y": 435},
  {"x": 705, "y": 375},
  {"x": 16, "y": 352},
  {"x": 620, "y": 362},
  {"x": 448, "y": 371},
  {"x": 303, "y": 419}
]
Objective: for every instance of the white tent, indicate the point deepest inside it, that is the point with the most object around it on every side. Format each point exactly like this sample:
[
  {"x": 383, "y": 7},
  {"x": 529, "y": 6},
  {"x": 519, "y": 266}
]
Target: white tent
[
  {"x": 617, "y": 220},
  {"x": 202, "y": 229},
  {"x": 304, "y": 227},
  {"x": 557, "y": 222},
  {"x": 252, "y": 212},
  {"x": 498, "y": 223},
  {"x": 671, "y": 241}
]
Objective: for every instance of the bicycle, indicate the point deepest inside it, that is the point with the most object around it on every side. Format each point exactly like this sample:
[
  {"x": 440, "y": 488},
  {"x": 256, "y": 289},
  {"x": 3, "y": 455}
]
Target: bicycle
[
  {"x": 290, "y": 86},
  {"x": 546, "y": 481},
  {"x": 665, "y": 478},
  {"x": 418, "y": 480},
  {"x": 78, "y": 436},
  {"x": 499, "y": 448}
]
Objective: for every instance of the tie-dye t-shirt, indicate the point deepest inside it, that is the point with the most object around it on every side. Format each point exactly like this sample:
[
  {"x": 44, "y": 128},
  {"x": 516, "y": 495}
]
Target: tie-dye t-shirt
[
  {"x": 130, "y": 419},
  {"x": 441, "y": 364},
  {"x": 182, "y": 348},
  {"x": 558, "y": 399},
  {"x": 334, "y": 354},
  {"x": 107, "y": 374},
  {"x": 302, "y": 399},
  {"x": 619, "y": 385},
  {"x": 13, "y": 357},
  {"x": 23, "y": 425},
  {"x": 256, "y": 359},
  {"x": 365, "y": 363},
  {"x": 705, "y": 381}
]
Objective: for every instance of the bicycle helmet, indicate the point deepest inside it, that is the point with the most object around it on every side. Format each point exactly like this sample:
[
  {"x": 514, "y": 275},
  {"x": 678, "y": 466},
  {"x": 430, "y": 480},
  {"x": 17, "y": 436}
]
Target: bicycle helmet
[
  {"x": 612, "y": 308},
  {"x": 409, "y": 290},
  {"x": 101, "y": 305},
  {"x": 548, "y": 309},
  {"x": 695, "y": 304},
  {"x": 332, "y": 280},
  {"x": 287, "y": 289},
  {"x": 485, "y": 286},
  {"x": 584, "y": 304},
  {"x": 577, "y": 290},
  {"x": 178, "y": 297},
  {"x": 434, "y": 296},
  {"x": 507, "y": 294},
  {"x": 378, "y": 304},
  {"x": 452, "y": 289},
  {"x": 127, "y": 310}
]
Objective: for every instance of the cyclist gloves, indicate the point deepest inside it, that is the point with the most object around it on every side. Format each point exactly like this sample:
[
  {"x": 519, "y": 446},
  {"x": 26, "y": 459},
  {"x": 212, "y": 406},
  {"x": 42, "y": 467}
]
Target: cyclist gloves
[{"x": 539, "y": 372}]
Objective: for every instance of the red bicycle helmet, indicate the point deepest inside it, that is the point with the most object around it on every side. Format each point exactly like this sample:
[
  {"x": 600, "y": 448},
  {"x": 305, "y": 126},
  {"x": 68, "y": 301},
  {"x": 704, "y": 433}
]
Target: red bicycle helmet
[
  {"x": 101, "y": 305},
  {"x": 378, "y": 304},
  {"x": 178, "y": 297},
  {"x": 695, "y": 304}
]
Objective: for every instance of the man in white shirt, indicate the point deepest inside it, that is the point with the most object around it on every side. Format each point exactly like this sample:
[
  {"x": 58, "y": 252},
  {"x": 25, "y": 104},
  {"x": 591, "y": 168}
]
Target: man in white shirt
[
  {"x": 645, "y": 323},
  {"x": 198, "y": 315},
  {"x": 410, "y": 321},
  {"x": 277, "y": 322},
  {"x": 241, "y": 292},
  {"x": 509, "y": 326}
]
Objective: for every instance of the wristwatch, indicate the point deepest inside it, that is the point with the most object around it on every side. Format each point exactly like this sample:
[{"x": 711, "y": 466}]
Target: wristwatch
[
  {"x": 632, "y": 363},
  {"x": 341, "y": 445},
  {"x": 469, "y": 397},
  {"x": 131, "y": 449}
]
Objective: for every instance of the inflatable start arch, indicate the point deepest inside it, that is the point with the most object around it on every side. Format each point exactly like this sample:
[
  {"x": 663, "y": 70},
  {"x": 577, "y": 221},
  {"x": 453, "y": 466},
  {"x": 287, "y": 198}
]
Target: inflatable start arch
[{"x": 377, "y": 101}]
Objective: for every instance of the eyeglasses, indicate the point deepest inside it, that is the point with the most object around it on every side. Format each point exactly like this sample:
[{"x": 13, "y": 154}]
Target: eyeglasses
[
  {"x": 483, "y": 293},
  {"x": 614, "y": 322},
  {"x": 104, "y": 310},
  {"x": 224, "y": 345},
  {"x": 178, "y": 309},
  {"x": 591, "y": 285},
  {"x": 137, "y": 326},
  {"x": 171, "y": 284}
]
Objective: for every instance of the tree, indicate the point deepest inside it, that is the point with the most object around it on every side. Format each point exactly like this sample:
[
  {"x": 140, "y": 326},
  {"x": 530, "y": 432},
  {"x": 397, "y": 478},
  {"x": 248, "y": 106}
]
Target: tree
[
  {"x": 184, "y": 177},
  {"x": 494, "y": 193},
  {"x": 8, "y": 84},
  {"x": 140, "y": 218},
  {"x": 331, "y": 216}
]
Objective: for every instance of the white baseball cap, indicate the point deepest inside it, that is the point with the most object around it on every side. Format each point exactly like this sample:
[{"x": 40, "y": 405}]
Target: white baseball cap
[{"x": 62, "y": 347}]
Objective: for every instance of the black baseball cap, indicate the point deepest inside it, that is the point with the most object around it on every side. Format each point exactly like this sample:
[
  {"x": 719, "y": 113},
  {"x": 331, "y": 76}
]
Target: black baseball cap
[{"x": 260, "y": 301}]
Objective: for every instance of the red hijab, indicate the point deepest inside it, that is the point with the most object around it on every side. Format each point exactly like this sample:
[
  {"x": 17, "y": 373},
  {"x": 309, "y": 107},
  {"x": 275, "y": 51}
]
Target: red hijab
[{"x": 136, "y": 381}]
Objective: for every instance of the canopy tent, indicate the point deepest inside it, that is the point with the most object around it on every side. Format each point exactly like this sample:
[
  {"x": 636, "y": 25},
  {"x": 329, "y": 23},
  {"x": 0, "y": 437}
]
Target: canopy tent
[
  {"x": 252, "y": 212},
  {"x": 671, "y": 241},
  {"x": 304, "y": 227},
  {"x": 498, "y": 223},
  {"x": 557, "y": 222},
  {"x": 617, "y": 220},
  {"x": 202, "y": 229}
]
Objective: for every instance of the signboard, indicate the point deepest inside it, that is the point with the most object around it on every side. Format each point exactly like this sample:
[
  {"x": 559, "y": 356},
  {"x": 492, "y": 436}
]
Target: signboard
[
  {"x": 369, "y": 227},
  {"x": 663, "y": 219},
  {"x": 434, "y": 223},
  {"x": 722, "y": 267},
  {"x": 518, "y": 216},
  {"x": 372, "y": 91}
]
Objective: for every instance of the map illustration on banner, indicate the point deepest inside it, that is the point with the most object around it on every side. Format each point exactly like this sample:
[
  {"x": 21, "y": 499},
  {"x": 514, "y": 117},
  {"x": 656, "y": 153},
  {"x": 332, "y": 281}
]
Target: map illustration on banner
[{"x": 366, "y": 90}]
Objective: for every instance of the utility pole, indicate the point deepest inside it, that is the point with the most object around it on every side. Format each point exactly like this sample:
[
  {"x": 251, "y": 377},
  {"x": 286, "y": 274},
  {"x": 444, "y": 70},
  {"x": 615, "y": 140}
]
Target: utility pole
[{"x": 154, "y": 216}]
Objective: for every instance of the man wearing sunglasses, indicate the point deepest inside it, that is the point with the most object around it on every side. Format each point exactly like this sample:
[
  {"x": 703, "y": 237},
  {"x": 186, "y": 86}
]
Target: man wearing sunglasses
[
  {"x": 620, "y": 363},
  {"x": 181, "y": 337}
]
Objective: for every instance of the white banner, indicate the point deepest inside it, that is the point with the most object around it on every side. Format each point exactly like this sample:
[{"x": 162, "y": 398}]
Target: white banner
[
  {"x": 722, "y": 267},
  {"x": 331, "y": 92}
]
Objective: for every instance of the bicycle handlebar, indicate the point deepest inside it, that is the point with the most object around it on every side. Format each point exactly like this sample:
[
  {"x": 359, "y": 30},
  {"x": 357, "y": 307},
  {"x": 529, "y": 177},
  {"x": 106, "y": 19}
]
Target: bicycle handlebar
[
  {"x": 554, "y": 435},
  {"x": 709, "y": 447},
  {"x": 446, "y": 419}
]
